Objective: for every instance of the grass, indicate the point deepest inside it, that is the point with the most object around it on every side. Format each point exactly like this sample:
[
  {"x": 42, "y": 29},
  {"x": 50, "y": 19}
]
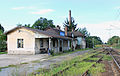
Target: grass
[
  {"x": 12, "y": 65},
  {"x": 107, "y": 57},
  {"x": 36, "y": 61},
  {"x": 92, "y": 59},
  {"x": 79, "y": 69},
  {"x": 70, "y": 51},
  {"x": 81, "y": 66},
  {"x": 8, "y": 66},
  {"x": 24, "y": 63},
  {"x": 95, "y": 71},
  {"x": 3, "y": 52}
]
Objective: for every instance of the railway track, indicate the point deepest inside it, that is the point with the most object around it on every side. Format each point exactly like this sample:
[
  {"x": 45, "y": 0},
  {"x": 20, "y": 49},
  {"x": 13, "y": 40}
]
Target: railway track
[
  {"x": 114, "y": 54},
  {"x": 115, "y": 59},
  {"x": 86, "y": 72}
]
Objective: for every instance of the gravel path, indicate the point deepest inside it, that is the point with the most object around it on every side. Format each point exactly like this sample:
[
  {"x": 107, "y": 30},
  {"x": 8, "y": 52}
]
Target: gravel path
[{"x": 43, "y": 63}]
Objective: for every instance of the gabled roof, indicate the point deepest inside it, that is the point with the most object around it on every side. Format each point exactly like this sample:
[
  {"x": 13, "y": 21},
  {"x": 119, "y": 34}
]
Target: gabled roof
[
  {"x": 75, "y": 33},
  {"x": 53, "y": 30},
  {"x": 48, "y": 33}
]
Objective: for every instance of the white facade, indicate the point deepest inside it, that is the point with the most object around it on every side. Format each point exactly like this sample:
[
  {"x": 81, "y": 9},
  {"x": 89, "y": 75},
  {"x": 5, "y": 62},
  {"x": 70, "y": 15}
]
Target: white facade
[{"x": 32, "y": 42}]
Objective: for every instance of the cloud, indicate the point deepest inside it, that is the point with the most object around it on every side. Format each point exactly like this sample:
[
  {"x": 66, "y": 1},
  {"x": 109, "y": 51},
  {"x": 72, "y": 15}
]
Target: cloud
[
  {"x": 18, "y": 8},
  {"x": 102, "y": 29},
  {"x": 21, "y": 8},
  {"x": 44, "y": 11}
]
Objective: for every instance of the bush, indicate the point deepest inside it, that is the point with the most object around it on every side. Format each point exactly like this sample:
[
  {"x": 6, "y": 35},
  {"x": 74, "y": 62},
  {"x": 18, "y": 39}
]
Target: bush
[
  {"x": 3, "y": 45},
  {"x": 52, "y": 52}
]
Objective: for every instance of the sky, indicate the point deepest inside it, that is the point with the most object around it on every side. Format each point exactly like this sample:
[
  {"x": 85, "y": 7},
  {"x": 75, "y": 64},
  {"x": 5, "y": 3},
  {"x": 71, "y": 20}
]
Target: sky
[{"x": 100, "y": 17}]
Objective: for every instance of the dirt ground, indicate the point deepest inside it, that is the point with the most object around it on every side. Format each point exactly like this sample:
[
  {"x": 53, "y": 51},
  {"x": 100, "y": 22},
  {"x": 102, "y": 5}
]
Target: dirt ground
[
  {"x": 110, "y": 69},
  {"x": 42, "y": 62},
  {"x": 17, "y": 59}
]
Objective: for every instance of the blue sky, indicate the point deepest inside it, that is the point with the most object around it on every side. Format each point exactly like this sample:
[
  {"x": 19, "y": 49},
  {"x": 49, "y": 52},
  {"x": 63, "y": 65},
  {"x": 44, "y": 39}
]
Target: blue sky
[{"x": 95, "y": 15}]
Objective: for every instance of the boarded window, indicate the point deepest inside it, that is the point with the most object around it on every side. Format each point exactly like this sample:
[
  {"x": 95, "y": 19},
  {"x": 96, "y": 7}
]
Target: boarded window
[
  {"x": 41, "y": 42},
  {"x": 20, "y": 43}
]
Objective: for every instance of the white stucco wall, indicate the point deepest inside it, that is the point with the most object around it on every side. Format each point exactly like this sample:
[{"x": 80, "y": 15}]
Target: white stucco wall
[
  {"x": 81, "y": 41},
  {"x": 28, "y": 42}
]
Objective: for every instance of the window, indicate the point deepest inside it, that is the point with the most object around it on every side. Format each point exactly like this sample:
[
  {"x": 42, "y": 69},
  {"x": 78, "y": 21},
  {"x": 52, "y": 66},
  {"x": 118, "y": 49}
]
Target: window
[
  {"x": 41, "y": 42},
  {"x": 20, "y": 43}
]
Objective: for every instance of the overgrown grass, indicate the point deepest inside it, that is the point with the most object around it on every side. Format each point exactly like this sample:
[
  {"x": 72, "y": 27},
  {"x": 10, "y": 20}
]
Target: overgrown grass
[
  {"x": 70, "y": 51},
  {"x": 107, "y": 57},
  {"x": 79, "y": 69},
  {"x": 95, "y": 71},
  {"x": 8, "y": 66},
  {"x": 36, "y": 61},
  {"x": 81, "y": 66},
  {"x": 3, "y": 52}
]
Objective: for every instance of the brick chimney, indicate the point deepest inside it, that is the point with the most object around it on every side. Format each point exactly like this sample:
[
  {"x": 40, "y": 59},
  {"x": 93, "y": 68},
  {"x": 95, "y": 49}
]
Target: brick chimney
[
  {"x": 69, "y": 17},
  {"x": 65, "y": 30}
]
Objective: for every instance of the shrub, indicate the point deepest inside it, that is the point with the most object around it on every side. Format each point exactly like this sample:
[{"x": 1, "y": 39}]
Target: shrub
[{"x": 52, "y": 52}]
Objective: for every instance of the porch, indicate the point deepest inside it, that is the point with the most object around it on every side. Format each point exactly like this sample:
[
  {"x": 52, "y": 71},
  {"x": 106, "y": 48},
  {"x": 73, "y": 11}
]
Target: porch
[{"x": 42, "y": 45}]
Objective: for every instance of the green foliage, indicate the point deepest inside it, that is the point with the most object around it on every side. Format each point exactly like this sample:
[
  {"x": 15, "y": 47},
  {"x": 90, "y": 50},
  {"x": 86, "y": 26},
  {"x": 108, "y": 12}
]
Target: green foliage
[
  {"x": 3, "y": 38},
  {"x": 92, "y": 41},
  {"x": 80, "y": 67},
  {"x": 52, "y": 52},
  {"x": 107, "y": 57},
  {"x": 94, "y": 71},
  {"x": 84, "y": 32},
  {"x": 113, "y": 40},
  {"x": 1, "y": 28},
  {"x": 27, "y": 25},
  {"x": 3, "y": 52},
  {"x": 73, "y": 25},
  {"x": 43, "y": 23}
]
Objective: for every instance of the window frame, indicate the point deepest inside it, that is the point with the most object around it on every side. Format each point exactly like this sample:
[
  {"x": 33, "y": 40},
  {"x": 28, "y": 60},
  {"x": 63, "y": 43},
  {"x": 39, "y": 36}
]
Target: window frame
[{"x": 20, "y": 43}]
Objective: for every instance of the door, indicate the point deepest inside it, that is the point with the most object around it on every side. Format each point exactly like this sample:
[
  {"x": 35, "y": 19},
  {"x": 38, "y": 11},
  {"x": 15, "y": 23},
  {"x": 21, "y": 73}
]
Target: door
[{"x": 60, "y": 45}]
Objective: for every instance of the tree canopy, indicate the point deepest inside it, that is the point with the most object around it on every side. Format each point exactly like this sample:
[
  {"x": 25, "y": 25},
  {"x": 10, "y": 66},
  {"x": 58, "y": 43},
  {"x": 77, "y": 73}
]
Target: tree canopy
[
  {"x": 73, "y": 25},
  {"x": 113, "y": 40},
  {"x": 84, "y": 31},
  {"x": 92, "y": 41},
  {"x": 3, "y": 39},
  {"x": 43, "y": 23},
  {"x": 1, "y": 28}
]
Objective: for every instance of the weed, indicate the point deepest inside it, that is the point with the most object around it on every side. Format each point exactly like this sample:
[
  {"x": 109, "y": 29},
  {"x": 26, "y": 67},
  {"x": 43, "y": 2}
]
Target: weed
[
  {"x": 107, "y": 57},
  {"x": 97, "y": 69},
  {"x": 36, "y": 61}
]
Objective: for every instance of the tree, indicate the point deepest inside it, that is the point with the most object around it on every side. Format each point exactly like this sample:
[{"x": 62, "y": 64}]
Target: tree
[
  {"x": 3, "y": 38},
  {"x": 27, "y": 25},
  {"x": 43, "y": 23},
  {"x": 1, "y": 28},
  {"x": 91, "y": 41},
  {"x": 113, "y": 40},
  {"x": 73, "y": 25},
  {"x": 84, "y": 31}
]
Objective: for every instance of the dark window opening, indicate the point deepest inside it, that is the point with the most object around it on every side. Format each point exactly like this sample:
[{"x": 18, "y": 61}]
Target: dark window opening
[
  {"x": 20, "y": 43},
  {"x": 53, "y": 43},
  {"x": 41, "y": 42}
]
